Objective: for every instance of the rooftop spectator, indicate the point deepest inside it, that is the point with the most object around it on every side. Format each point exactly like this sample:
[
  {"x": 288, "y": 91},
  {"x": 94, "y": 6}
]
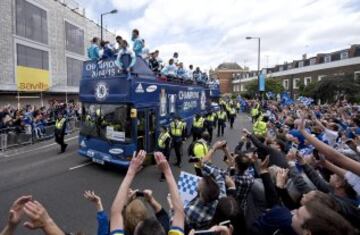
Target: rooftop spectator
[
  {"x": 137, "y": 43},
  {"x": 93, "y": 51},
  {"x": 154, "y": 63},
  {"x": 169, "y": 70},
  {"x": 106, "y": 51},
  {"x": 145, "y": 52},
  {"x": 124, "y": 51}
]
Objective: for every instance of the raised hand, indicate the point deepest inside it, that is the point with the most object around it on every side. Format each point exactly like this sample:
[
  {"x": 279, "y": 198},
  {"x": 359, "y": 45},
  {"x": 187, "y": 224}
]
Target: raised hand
[
  {"x": 136, "y": 162},
  {"x": 91, "y": 196},
  {"x": 161, "y": 162},
  {"x": 38, "y": 216},
  {"x": 16, "y": 210},
  {"x": 281, "y": 177}
]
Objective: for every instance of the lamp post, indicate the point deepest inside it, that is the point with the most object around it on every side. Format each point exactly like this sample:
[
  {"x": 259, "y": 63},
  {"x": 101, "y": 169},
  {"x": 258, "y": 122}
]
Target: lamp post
[
  {"x": 101, "y": 20},
  {"x": 258, "y": 38}
]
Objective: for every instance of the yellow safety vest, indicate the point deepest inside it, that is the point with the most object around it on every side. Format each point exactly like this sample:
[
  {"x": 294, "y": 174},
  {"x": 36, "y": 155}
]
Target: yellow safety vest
[
  {"x": 260, "y": 128},
  {"x": 222, "y": 115},
  {"x": 162, "y": 139},
  {"x": 59, "y": 124},
  {"x": 210, "y": 118},
  {"x": 238, "y": 105},
  {"x": 232, "y": 111},
  {"x": 176, "y": 130},
  {"x": 200, "y": 150},
  {"x": 255, "y": 111},
  {"x": 199, "y": 123}
]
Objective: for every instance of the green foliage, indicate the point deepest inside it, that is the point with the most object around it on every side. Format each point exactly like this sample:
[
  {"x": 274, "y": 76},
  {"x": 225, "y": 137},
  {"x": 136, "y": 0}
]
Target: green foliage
[
  {"x": 331, "y": 88},
  {"x": 271, "y": 84}
]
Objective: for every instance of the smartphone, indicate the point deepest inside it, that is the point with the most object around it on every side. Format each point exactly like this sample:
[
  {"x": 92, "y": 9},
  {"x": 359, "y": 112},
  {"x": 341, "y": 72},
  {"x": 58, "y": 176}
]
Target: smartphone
[
  {"x": 232, "y": 171},
  {"x": 194, "y": 159},
  {"x": 226, "y": 223},
  {"x": 206, "y": 232},
  {"x": 139, "y": 194},
  {"x": 225, "y": 158}
]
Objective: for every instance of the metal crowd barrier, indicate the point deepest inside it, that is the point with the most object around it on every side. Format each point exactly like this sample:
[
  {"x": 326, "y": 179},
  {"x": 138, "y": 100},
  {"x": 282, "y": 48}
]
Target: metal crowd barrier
[{"x": 10, "y": 138}]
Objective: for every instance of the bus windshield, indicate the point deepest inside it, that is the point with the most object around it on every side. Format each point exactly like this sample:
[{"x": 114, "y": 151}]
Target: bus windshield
[{"x": 106, "y": 121}]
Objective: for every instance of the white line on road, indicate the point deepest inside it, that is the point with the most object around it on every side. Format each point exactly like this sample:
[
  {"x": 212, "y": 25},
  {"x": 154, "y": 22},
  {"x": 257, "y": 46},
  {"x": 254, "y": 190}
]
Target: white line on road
[
  {"x": 79, "y": 166},
  {"x": 31, "y": 150}
]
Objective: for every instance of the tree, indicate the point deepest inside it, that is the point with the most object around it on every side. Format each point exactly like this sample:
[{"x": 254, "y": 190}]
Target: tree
[
  {"x": 332, "y": 88},
  {"x": 271, "y": 84}
]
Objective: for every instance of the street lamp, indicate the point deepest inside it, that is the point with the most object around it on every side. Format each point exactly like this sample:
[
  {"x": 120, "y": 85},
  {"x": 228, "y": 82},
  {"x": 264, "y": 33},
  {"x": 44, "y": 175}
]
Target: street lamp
[
  {"x": 101, "y": 21},
  {"x": 258, "y": 38}
]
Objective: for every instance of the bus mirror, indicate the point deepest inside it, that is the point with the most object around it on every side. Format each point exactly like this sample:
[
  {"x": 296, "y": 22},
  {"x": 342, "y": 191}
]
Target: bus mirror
[{"x": 133, "y": 113}]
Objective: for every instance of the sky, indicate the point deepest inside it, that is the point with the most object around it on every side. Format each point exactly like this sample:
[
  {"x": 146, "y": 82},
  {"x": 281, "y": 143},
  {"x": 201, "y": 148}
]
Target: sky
[{"x": 206, "y": 33}]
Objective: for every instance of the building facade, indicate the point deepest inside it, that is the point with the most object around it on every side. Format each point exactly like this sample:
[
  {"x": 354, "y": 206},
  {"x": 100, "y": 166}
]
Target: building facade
[
  {"x": 43, "y": 45},
  {"x": 226, "y": 72},
  {"x": 338, "y": 63}
]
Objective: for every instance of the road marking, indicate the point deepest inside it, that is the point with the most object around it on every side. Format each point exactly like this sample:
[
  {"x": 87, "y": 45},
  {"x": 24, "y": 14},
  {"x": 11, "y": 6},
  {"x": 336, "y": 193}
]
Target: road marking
[
  {"x": 79, "y": 166},
  {"x": 31, "y": 150}
]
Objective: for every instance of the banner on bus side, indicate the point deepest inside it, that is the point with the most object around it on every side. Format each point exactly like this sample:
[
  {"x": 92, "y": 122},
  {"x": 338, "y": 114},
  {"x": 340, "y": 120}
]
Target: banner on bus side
[{"x": 114, "y": 135}]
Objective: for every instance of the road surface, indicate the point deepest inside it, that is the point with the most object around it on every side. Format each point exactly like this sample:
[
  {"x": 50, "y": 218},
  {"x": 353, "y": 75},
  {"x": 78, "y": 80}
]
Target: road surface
[{"x": 59, "y": 180}]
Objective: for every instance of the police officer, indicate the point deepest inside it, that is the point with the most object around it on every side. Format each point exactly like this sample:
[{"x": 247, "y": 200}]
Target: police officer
[
  {"x": 177, "y": 132},
  {"x": 210, "y": 123},
  {"x": 200, "y": 149},
  {"x": 221, "y": 116},
  {"x": 60, "y": 126},
  {"x": 260, "y": 125},
  {"x": 163, "y": 145},
  {"x": 232, "y": 116},
  {"x": 255, "y": 112},
  {"x": 197, "y": 126}
]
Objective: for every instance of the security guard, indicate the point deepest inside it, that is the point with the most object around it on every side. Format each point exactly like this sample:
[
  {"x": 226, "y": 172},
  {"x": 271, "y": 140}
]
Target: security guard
[
  {"x": 163, "y": 145},
  {"x": 221, "y": 116},
  {"x": 201, "y": 148},
  {"x": 255, "y": 112},
  {"x": 197, "y": 126},
  {"x": 177, "y": 132},
  {"x": 232, "y": 116},
  {"x": 210, "y": 123},
  {"x": 260, "y": 126},
  {"x": 60, "y": 126}
]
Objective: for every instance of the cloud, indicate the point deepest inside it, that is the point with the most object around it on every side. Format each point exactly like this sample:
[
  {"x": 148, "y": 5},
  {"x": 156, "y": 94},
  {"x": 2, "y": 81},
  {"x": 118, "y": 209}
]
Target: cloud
[
  {"x": 209, "y": 32},
  {"x": 131, "y": 5}
]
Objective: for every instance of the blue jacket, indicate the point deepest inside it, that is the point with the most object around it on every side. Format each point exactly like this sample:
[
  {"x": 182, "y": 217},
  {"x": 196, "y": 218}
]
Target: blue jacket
[
  {"x": 103, "y": 223},
  {"x": 138, "y": 46},
  {"x": 93, "y": 52},
  {"x": 278, "y": 218}
]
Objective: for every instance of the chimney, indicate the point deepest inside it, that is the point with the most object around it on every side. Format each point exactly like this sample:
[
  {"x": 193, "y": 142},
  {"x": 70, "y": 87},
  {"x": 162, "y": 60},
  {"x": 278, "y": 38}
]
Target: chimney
[{"x": 304, "y": 56}]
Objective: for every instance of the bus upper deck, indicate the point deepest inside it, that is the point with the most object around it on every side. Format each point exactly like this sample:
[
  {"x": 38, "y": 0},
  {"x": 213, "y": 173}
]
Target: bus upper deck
[{"x": 122, "y": 112}]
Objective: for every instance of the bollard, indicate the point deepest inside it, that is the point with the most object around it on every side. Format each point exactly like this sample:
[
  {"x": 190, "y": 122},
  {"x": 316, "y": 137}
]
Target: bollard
[{"x": 3, "y": 142}]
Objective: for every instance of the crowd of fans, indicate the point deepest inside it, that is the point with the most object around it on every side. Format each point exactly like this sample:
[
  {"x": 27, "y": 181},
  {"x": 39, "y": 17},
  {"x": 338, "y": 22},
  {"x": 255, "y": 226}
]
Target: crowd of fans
[
  {"x": 31, "y": 118},
  {"x": 174, "y": 69},
  {"x": 299, "y": 176}
]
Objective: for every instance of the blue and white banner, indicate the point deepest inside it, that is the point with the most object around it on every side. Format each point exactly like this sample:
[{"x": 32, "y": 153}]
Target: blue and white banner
[
  {"x": 188, "y": 184},
  {"x": 305, "y": 100},
  {"x": 286, "y": 99}
]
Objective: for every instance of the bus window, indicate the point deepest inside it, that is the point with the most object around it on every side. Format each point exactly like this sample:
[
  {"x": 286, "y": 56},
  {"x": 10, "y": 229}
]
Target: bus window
[
  {"x": 141, "y": 129},
  {"x": 106, "y": 121},
  {"x": 152, "y": 130}
]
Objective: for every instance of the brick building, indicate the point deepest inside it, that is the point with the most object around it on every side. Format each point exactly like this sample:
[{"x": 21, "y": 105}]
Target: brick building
[
  {"x": 43, "y": 44},
  {"x": 226, "y": 72},
  {"x": 307, "y": 70}
]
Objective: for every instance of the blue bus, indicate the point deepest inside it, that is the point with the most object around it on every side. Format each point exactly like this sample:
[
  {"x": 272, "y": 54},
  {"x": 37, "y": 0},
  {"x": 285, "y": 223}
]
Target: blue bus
[{"x": 122, "y": 112}]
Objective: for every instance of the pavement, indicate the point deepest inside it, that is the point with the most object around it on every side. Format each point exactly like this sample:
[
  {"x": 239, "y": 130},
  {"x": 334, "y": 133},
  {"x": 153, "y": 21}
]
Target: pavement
[{"x": 59, "y": 180}]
